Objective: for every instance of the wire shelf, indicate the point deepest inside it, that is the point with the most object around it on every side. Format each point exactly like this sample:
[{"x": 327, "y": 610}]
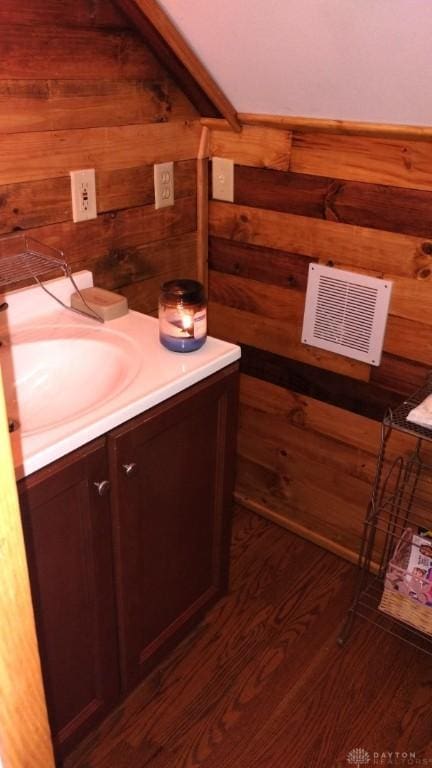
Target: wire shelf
[
  {"x": 401, "y": 498},
  {"x": 397, "y": 418},
  {"x": 367, "y": 609},
  {"x": 22, "y": 258}
]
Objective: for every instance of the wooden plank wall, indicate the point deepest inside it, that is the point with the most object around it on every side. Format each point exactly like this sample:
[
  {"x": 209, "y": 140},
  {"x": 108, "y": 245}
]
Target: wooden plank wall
[
  {"x": 79, "y": 89},
  {"x": 309, "y": 422}
]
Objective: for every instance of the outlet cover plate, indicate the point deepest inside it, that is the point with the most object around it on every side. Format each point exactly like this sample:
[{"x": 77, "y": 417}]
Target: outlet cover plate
[
  {"x": 164, "y": 184},
  {"x": 223, "y": 179},
  {"x": 83, "y": 192}
]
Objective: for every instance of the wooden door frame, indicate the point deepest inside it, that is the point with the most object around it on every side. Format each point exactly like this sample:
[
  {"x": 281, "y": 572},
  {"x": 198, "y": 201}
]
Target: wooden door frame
[{"x": 25, "y": 739}]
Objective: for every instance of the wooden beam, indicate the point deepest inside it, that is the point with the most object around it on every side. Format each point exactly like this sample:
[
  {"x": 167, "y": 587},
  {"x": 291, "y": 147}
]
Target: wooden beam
[
  {"x": 24, "y": 732},
  {"x": 50, "y": 154},
  {"x": 318, "y": 125},
  {"x": 48, "y": 201},
  {"x": 53, "y": 105},
  {"x": 374, "y": 159},
  {"x": 78, "y": 13},
  {"x": 151, "y": 262},
  {"x": 281, "y": 338},
  {"x": 378, "y": 206},
  {"x": 257, "y": 147},
  {"x": 365, "y": 398},
  {"x": 102, "y": 243},
  {"x": 331, "y": 242},
  {"x": 158, "y": 30},
  {"x": 202, "y": 208},
  {"x": 115, "y": 54},
  {"x": 268, "y": 265}
]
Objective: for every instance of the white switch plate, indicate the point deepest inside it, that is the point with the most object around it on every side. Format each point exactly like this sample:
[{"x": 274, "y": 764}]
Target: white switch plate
[
  {"x": 223, "y": 179},
  {"x": 83, "y": 191},
  {"x": 164, "y": 184}
]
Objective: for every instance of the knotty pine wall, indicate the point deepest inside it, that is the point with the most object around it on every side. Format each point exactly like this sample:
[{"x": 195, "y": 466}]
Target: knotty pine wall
[
  {"x": 79, "y": 89},
  {"x": 309, "y": 419}
]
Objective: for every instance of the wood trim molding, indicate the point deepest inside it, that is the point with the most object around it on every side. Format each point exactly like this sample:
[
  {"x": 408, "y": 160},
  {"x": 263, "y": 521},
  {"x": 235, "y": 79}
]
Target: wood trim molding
[
  {"x": 24, "y": 732},
  {"x": 216, "y": 123},
  {"x": 296, "y": 527},
  {"x": 202, "y": 208},
  {"x": 151, "y": 13},
  {"x": 318, "y": 125}
]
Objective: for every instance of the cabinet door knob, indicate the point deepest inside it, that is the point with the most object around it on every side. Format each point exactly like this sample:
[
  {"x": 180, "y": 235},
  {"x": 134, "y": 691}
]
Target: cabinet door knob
[
  {"x": 129, "y": 469},
  {"x": 103, "y": 487}
]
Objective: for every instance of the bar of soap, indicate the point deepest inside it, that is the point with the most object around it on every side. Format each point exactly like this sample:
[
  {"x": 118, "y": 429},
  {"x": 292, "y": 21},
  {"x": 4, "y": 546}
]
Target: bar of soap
[{"x": 107, "y": 304}]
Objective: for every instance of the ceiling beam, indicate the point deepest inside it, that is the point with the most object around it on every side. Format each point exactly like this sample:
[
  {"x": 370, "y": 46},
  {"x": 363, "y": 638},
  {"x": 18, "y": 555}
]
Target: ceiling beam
[{"x": 175, "y": 54}]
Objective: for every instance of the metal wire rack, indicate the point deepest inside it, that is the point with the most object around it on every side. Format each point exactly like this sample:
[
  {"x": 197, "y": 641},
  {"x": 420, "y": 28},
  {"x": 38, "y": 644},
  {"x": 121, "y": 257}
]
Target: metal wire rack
[
  {"x": 22, "y": 259},
  {"x": 397, "y": 419},
  {"x": 401, "y": 497}
]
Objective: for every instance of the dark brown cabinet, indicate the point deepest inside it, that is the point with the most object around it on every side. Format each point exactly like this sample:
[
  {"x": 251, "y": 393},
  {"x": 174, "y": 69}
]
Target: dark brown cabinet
[
  {"x": 127, "y": 541},
  {"x": 67, "y": 529},
  {"x": 173, "y": 483}
]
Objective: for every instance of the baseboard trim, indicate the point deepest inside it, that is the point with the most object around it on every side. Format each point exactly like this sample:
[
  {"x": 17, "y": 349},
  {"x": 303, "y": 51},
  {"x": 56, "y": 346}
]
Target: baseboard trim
[{"x": 300, "y": 530}]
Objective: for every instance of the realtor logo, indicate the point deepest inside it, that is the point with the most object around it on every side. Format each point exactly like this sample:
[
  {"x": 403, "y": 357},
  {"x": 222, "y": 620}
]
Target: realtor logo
[{"x": 358, "y": 757}]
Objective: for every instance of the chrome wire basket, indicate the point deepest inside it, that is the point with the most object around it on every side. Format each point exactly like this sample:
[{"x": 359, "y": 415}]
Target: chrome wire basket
[{"x": 23, "y": 258}]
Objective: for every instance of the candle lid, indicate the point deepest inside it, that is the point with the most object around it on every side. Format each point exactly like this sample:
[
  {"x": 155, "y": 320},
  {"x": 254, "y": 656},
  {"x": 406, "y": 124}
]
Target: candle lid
[{"x": 187, "y": 291}]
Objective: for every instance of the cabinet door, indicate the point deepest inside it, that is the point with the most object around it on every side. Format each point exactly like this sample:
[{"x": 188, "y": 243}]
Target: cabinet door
[
  {"x": 172, "y": 517},
  {"x": 67, "y": 531}
]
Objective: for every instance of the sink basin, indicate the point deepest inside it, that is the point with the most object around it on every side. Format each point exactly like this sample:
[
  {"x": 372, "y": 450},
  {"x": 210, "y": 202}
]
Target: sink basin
[
  {"x": 53, "y": 376},
  {"x": 69, "y": 380}
]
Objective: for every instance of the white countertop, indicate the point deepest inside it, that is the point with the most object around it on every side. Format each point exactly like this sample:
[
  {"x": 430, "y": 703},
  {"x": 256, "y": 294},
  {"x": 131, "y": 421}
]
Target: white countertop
[{"x": 157, "y": 374}]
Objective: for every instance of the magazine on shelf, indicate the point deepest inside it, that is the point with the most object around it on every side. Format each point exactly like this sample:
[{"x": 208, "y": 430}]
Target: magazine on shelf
[{"x": 419, "y": 569}]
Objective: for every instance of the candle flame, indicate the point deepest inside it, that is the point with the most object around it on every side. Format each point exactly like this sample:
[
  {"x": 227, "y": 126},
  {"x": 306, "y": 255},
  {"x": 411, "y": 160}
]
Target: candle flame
[{"x": 187, "y": 322}]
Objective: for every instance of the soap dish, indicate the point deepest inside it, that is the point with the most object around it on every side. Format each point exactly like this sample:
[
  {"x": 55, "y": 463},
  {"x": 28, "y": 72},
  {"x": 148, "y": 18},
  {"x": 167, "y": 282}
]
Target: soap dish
[{"x": 107, "y": 304}]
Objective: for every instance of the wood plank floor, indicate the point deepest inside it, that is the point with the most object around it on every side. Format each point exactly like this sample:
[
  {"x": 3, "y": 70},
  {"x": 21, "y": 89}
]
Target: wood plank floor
[{"x": 262, "y": 682}]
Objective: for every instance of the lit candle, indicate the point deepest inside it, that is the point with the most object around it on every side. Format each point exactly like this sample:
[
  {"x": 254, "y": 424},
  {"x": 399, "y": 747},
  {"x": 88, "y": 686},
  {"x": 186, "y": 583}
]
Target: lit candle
[
  {"x": 182, "y": 315},
  {"x": 187, "y": 321}
]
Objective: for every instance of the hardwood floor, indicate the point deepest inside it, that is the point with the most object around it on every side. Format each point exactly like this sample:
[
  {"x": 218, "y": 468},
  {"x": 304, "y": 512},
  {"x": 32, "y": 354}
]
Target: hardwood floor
[{"x": 262, "y": 682}]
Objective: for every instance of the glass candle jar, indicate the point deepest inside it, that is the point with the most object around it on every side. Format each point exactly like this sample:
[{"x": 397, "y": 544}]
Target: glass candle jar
[{"x": 182, "y": 315}]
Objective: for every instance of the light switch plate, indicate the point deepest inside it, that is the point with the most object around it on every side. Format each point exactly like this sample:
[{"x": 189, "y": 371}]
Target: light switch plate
[{"x": 223, "y": 179}]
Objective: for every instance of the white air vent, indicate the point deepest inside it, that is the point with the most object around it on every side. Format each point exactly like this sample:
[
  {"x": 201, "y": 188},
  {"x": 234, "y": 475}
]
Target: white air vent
[{"x": 346, "y": 313}]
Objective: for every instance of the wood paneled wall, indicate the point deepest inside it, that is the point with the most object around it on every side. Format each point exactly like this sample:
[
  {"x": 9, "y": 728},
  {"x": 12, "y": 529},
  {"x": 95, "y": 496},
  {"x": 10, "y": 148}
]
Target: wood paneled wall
[
  {"x": 309, "y": 423},
  {"x": 78, "y": 89}
]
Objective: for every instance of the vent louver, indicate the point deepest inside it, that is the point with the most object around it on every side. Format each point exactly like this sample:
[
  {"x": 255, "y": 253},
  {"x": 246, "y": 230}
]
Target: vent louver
[{"x": 346, "y": 313}]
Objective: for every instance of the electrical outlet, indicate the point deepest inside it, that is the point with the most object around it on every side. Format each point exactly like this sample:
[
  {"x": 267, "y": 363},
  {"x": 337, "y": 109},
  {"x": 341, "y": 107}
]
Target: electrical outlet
[
  {"x": 164, "y": 184},
  {"x": 83, "y": 190},
  {"x": 223, "y": 179}
]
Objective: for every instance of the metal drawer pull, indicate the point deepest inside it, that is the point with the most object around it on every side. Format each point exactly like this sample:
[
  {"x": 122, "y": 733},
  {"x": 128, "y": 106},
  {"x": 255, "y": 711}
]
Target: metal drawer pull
[
  {"x": 103, "y": 487},
  {"x": 129, "y": 468}
]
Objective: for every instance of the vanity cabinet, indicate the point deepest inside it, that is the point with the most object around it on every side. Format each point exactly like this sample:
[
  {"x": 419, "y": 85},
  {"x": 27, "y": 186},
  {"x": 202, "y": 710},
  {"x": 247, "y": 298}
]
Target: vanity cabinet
[
  {"x": 67, "y": 530},
  {"x": 172, "y": 493},
  {"x": 128, "y": 541}
]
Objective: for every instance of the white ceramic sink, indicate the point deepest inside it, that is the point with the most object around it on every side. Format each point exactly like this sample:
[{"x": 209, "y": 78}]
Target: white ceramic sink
[
  {"x": 53, "y": 376},
  {"x": 69, "y": 379}
]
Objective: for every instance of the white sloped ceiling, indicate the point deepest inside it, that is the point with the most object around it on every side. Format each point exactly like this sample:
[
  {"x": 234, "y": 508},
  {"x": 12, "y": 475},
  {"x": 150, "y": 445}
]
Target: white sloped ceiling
[{"x": 345, "y": 59}]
